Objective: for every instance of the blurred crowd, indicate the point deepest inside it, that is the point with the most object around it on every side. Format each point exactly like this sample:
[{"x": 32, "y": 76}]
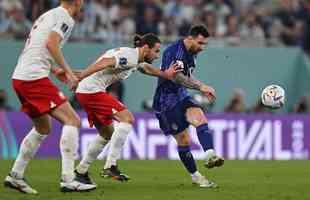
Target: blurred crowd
[
  {"x": 236, "y": 104},
  {"x": 246, "y": 23}
]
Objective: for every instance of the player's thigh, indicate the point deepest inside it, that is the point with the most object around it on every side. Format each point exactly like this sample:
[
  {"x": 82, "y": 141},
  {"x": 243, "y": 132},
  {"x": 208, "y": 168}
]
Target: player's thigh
[
  {"x": 183, "y": 138},
  {"x": 42, "y": 124},
  {"x": 124, "y": 116},
  {"x": 105, "y": 131},
  {"x": 195, "y": 116},
  {"x": 66, "y": 115}
]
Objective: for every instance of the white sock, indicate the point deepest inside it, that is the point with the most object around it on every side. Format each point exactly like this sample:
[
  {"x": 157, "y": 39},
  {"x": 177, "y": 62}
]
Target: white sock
[
  {"x": 27, "y": 150},
  {"x": 209, "y": 154},
  {"x": 94, "y": 149},
  {"x": 117, "y": 142},
  {"x": 195, "y": 174},
  {"x": 69, "y": 143}
]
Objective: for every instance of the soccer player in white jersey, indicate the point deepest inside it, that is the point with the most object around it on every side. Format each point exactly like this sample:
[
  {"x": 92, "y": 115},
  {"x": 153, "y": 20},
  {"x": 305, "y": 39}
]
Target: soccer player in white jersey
[
  {"x": 116, "y": 64},
  {"x": 41, "y": 99}
]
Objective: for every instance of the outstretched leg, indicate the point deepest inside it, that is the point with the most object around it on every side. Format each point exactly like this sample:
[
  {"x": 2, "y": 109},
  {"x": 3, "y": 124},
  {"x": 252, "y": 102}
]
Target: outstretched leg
[
  {"x": 196, "y": 117},
  {"x": 183, "y": 141}
]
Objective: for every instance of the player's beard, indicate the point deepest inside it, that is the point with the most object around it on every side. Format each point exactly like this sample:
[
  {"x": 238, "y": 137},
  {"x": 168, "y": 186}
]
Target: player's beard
[
  {"x": 193, "y": 51},
  {"x": 148, "y": 60}
]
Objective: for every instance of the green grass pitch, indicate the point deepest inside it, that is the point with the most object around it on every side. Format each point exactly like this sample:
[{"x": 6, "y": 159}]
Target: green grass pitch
[{"x": 167, "y": 180}]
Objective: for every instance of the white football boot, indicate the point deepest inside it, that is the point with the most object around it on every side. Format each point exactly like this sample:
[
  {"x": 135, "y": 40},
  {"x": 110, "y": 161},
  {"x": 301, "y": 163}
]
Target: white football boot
[
  {"x": 76, "y": 186},
  {"x": 203, "y": 182},
  {"x": 212, "y": 160},
  {"x": 19, "y": 184}
]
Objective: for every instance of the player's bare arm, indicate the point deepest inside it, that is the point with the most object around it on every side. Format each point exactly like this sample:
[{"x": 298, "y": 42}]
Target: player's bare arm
[
  {"x": 188, "y": 82},
  {"x": 192, "y": 83},
  {"x": 60, "y": 74},
  {"x": 53, "y": 47},
  {"x": 98, "y": 66},
  {"x": 168, "y": 74}
]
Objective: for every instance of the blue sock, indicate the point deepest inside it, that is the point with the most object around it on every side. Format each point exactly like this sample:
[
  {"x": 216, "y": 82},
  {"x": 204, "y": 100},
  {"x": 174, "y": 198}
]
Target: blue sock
[
  {"x": 205, "y": 137},
  {"x": 187, "y": 159}
]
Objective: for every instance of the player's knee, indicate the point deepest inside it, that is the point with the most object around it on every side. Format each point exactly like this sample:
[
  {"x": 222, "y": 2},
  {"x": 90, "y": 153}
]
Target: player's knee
[
  {"x": 43, "y": 130},
  {"x": 77, "y": 122},
  {"x": 107, "y": 137},
  {"x": 196, "y": 117},
  {"x": 199, "y": 120},
  {"x": 106, "y": 133},
  {"x": 74, "y": 121},
  {"x": 129, "y": 118},
  {"x": 184, "y": 140}
]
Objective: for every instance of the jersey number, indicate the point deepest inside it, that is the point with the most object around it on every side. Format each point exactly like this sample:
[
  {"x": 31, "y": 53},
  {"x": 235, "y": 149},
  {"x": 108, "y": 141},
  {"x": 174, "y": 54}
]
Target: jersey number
[{"x": 34, "y": 27}]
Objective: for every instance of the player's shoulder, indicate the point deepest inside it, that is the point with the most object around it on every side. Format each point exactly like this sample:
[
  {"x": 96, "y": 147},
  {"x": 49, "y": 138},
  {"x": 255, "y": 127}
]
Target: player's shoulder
[
  {"x": 55, "y": 11},
  {"x": 174, "y": 47},
  {"x": 61, "y": 14},
  {"x": 130, "y": 54},
  {"x": 127, "y": 51},
  {"x": 123, "y": 52}
]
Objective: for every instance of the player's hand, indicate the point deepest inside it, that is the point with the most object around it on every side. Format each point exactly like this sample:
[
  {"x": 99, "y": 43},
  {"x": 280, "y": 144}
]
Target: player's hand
[
  {"x": 60, "y": 74},
  {"x": 78, "y": 74},
  {"x": 209, "y": 92},
  {"x": 172, "y": 71},
  {"x": 72, "y": 82}
]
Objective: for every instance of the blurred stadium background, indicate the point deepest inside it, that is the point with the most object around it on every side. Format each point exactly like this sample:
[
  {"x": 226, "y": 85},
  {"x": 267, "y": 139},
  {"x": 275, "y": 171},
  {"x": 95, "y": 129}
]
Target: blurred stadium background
[{"x": 254, "y": 43}]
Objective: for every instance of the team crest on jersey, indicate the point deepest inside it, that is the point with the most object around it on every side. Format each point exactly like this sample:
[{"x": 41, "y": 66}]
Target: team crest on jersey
[
  {"x": 180, "y": 64},
  {"x": 122, "y": 61}
]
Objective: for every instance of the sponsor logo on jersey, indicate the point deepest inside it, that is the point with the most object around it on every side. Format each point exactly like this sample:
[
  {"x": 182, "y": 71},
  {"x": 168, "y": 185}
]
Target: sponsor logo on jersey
[{"x": 64, "y": 28}]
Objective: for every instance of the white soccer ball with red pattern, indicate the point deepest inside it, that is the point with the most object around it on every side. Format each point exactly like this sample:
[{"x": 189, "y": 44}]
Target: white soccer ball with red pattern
[{"x": 273, "y": 96}]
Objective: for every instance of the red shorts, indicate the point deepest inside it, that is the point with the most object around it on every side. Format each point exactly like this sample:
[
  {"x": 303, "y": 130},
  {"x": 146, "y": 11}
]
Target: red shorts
[
  {"x": 38, "y": 96},
  {"x": 100, "y": 107}
]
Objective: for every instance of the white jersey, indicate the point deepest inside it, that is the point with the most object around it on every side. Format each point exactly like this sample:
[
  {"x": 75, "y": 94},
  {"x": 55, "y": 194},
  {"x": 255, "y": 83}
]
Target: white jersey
[
  {"x": 126, "y": 64},
  {"x": 35, "y": 61}
]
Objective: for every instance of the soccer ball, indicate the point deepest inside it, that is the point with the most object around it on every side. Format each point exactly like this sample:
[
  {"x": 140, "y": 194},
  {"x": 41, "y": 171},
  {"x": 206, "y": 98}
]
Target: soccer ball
[{"x": 273, "y": 96}]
